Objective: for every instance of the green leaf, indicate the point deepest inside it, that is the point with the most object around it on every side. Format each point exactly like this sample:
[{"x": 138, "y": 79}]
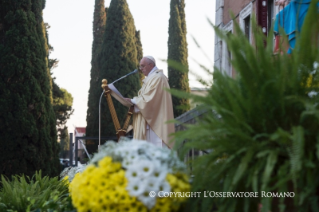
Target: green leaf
[{"x": 271, "y": 162}]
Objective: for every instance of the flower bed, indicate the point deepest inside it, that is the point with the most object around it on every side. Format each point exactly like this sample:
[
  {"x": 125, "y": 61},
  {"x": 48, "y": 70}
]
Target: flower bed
[{"x": 130, "y": 176}]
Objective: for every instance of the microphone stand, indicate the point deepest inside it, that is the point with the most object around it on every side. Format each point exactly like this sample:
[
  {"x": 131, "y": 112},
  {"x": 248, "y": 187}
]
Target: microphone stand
[{"x": 133, "y": 72}]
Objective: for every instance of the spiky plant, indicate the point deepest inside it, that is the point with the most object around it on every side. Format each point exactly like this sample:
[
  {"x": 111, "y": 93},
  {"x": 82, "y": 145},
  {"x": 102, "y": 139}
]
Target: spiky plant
[
  {"x": 261, "y": 128},
  {"x": 38, "y": 193}
]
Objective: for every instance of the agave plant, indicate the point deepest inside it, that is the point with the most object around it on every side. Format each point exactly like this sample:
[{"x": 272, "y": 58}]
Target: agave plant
[{"x": 262, "y": 127}]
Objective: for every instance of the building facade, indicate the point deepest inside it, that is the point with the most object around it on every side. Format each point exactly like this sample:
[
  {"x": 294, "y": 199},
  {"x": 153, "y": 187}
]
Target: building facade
[{"x": 243, "y": 11}]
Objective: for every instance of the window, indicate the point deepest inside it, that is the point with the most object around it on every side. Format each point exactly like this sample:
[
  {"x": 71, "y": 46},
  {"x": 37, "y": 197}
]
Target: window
[
  {"x": 247, "y": 27},
  {"x": 244, "y": 20},
  {"x": 226, "y": 54},
  {"x": 270, "y": 14}
]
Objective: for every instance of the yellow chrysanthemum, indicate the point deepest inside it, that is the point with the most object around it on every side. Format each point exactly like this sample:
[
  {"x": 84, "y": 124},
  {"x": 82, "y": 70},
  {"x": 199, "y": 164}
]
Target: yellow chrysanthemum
[
  {"x": 105, "y": 162},
  {"x": 178, "y": 183},
  {"x": 182, "y": 176},
  {"x": 66, "y": 179},
  {"x": 138, "y": 207},
  {"x": 89, "y": 169},
  {"x": 124, "y": 197},
  {"x": 100, "y": 188},
  {"x": 104, "y": 188},
  {"x": 82, "y": 206},
  {"x": 162, "y": 204},
  {"x": 171, "y": 179}
]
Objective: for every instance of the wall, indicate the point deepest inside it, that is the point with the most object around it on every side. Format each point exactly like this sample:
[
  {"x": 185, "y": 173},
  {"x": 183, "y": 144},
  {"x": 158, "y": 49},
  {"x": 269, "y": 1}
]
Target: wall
[{"x": 235, "y": 6}]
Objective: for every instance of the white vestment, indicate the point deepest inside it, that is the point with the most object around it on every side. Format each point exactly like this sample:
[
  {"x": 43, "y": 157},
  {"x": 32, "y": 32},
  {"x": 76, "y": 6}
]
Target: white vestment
[{"x": 150, "y": 134}]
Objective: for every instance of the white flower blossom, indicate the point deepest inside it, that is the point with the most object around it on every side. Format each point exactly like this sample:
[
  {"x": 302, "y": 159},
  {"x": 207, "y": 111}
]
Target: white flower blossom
[
  {"x": 132, "y": 173},
  {"x": 164, "y": 186},
  {"x": 312, "y": 94},
  {"x": 71, "y": 171},
  {"x": 159, "y": 172},
  {"x": 151, "y": 183},
  {"x": 145, "y": 198},
  {"x": 144, "y": 167},
  {"x": 135, "y": 187}
]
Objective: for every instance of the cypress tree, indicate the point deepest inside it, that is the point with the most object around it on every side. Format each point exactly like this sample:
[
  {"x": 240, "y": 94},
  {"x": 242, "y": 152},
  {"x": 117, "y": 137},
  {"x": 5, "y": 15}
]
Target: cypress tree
[
  {"x": 178, "y": 53},
  {"x": 27, "y": 121},
  {"x": 99, "y": 20},
  {"x": 118, "y": 57},
  {"x": 50, "y": 64},
  {"x": 139, "y": 50}
]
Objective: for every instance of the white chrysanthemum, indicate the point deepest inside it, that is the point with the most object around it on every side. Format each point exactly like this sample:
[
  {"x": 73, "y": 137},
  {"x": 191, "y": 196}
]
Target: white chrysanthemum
[
  {"x": 146, "y": 199},
  {"x": 127, "y": 146},
  {"x": 164, "y": 186},
  {"x": 156, "y": 154},
  {"x": 126, "y": 163},
  {"x": 135, "y": 187},
  {"x": 71, "y": 171},
  {"x": 160, "y": 171},
  {"x": 165, "y": 154},
  {"x": 144, "y": 167},
  {"x": 123, "y": 152},
  {"x": 152, "y": 183},
  {"x": 312, "y": 94},
  {"x": 132, "y": 156},
  {"x": 159, "y": 175},
  {"x": 132, "y": 172}
]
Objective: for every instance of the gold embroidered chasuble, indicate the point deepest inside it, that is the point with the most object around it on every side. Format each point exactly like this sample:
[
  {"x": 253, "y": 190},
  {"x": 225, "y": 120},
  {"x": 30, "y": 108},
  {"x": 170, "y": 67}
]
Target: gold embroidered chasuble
[{"x": 155, "y": 105}]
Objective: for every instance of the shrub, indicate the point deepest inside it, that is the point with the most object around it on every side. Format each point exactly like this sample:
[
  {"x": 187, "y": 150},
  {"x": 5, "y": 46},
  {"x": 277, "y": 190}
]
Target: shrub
[
  {"x": 36, "y": 193},
  {"x": 262, "y": 126}
]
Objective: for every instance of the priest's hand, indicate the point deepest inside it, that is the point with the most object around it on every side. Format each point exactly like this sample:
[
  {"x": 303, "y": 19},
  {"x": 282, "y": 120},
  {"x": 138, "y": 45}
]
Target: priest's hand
[{"x": 129, "y": 100}]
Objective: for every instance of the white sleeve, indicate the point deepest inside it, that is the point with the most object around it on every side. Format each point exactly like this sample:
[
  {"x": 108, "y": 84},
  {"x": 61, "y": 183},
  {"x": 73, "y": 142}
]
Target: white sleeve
[
  {"x": 136, "y": 110},
  {"x": 133, "y": 101}
]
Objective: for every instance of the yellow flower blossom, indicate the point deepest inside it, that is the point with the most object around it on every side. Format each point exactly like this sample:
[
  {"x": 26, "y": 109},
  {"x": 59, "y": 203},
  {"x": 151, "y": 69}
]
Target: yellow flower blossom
[
  {"x": 103, "y": 187},
  {"x": 105, "y": 162},
  {"x": 171, "y": 179}
]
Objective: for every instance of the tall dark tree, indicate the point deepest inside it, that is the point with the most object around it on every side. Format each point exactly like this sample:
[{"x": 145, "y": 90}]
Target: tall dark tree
[
  {"x": 139, "y": 50},
  {"x": 99, "y": 20},
  {"x": 177, "y": 55},
  {"x": 27, "y": 121},
  {"x": 118, "y": 57}
]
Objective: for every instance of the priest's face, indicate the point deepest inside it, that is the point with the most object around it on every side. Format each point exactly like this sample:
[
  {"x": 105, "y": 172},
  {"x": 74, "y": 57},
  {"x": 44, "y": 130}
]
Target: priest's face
[{"x": 145, "y": 66}]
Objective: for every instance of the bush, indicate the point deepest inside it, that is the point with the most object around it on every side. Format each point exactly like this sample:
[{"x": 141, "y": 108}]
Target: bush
[
  {"x": 262, "y": 126},
  {"x": 35, "y": 194}
]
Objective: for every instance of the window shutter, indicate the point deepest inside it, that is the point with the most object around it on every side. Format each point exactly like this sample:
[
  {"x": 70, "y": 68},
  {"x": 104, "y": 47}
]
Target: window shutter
[{"x": 262, "y": 16}]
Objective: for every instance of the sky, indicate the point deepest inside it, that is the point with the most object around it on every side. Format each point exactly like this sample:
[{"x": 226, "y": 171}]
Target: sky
[{"x": 71, "y": 36}]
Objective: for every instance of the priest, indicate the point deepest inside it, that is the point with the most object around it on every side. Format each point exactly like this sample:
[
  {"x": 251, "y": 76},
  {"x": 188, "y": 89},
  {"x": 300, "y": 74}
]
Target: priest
[{"x": 153, "y": 107}]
